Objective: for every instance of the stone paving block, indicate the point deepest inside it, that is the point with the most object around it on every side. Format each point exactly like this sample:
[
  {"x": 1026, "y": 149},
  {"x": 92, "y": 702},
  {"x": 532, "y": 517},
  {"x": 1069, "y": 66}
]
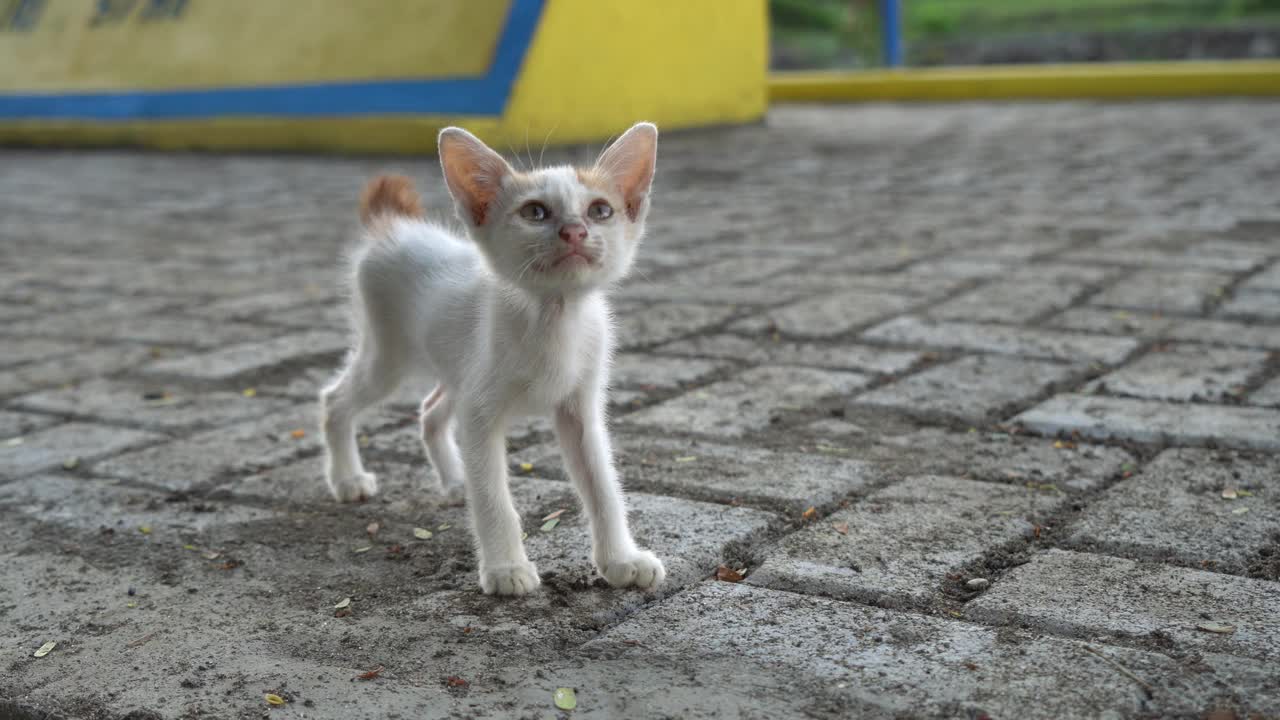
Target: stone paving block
[
  {"x": 641, "y": 289},
  {"x": 1200, "y": 255},
  {"x": 1184, "y": 372},
  {"x": 334, "y": 316},
  {"x": 1003, "y": 339},
  {"x": 238, "y": 449},
  {"x": 1267, "y": 280},
  {"x": 76, "y": 367},
  {"x": 17, "y": 352},
  {"x": 251, "y": 306},
  {"x": 1268, "y": 395},
  {"x": 851, "y": 660},
  {"x": 149, "y": 406},
  {"x": 782, "y": 352},
  {"x": 654, "y": 372},
  {"x": 1152, "y": 421},
  {"x": 902, "y": 541},
  {"x": 158, "y": 329},
  {"x": 827, "y": 316},
  {"x": 734, "y": 271},
  {"x": 971, "y": 389},
  {"x": 50, "y": 448},
  {"x": 1184, "y": 292},
  {"x": 237, "y": 360},
  {"x": 667, "y": 321},
  {"x": 16, "y": 424},
  {"x": 746, "y": 402},
  {"x": 1010, "y": 301},
  {"x": 1214, "y": 332},
  {"x": 1252, "y": 305},
  {"x": 91, "y": 504},
  {"x": 722, "y": 473},
  {"x": 1113, "y": 322},
  {"x": 1175, "y": 508},
  {"x": 1087, "y": 595}
]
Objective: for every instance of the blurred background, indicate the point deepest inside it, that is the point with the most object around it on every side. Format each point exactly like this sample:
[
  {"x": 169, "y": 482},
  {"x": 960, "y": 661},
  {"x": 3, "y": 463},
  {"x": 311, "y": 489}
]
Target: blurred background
[{"x": 812, "y": 34}]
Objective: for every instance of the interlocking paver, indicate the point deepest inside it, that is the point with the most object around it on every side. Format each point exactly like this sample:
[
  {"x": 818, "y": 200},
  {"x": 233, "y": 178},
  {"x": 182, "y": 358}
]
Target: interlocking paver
[
  {"x": 776, "y": 351},
  {"x": 1152, "y": 421},
  {"x": 829, "y": 315},
  {"x": 1184, "y": 372},
  {"x": 73, "y": 443},
  {"x": 1011, "y": 301},
  {"x": 1216, "y": 509},
  {"x": 1004, "y": 339},
  {"x": 1267, "y": 395},
  {"x": 1166, "y": 291},
  {"x": 1249, "y": 304},
  {"x": 899, "y": 544},
  {"x": 155, "y": 407},
  {"x": 229, "y": 362},
  {"x": 1089, "y": 595},
  {"x": 969, "y": 389},
  {"x": 667, "y": 321},
  {"x": 746, "y": 402}
]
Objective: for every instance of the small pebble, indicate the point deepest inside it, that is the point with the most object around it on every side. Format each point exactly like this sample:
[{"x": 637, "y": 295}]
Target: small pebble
[
  {"x": 132, "y": 591},
  {"x": 978, "y": 584}
]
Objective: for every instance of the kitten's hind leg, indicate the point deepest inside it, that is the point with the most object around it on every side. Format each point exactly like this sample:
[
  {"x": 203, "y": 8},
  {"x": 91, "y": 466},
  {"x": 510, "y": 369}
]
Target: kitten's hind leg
[
  {"x": 437, "y": 437},
  {"x": 370, "y": 376}
]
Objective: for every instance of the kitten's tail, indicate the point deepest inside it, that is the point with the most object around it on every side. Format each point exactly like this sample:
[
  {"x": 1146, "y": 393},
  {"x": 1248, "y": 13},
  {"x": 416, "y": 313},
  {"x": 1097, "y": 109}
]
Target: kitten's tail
[{"x": 389, "y": 196}]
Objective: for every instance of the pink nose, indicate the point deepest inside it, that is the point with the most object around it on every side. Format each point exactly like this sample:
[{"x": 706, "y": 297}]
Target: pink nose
[{"x": 573, "y": 234}]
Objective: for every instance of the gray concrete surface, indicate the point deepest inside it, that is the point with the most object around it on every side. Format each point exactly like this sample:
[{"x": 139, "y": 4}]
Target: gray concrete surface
[{"x": 981, "y": 400}]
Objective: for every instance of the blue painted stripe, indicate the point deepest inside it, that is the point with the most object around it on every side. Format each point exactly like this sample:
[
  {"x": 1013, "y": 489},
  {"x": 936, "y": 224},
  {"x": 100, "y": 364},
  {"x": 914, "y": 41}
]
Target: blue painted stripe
[{"x": 485, "y": 95}]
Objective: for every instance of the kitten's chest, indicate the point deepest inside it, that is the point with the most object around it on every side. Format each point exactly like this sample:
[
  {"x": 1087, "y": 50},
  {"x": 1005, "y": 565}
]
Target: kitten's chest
[{"x": 559, "y": 357}]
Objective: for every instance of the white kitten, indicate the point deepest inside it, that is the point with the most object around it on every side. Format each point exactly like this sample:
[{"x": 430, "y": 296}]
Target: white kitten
[{"x": 511, "y": 321}]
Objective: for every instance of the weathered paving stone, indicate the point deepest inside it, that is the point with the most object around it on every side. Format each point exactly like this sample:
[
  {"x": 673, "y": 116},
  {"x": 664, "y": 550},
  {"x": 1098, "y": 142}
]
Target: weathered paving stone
[
  {"x": 637, "y": 370},
  {"x": 89, "y": 504},
  {"x": 1267, "y": 280},
  {"x": 1252, "y": 305},
  {"x": 258, "y": 304},
  {"x": 667, "y": 321},
  {"x": 152, "y": 407},
  {"x": 747, "y": 401},
  {"x": 1213, "y": 332},
  {"x": 50, "y": 448},
  {"x": 1268, "y": 395},
  {"x": 1007, "y": 301},
  {"x": 1113, "y": 322},
  {"x": 994, "y": 457},
  {"x": 971, "y": 389},
  {"x": 1165, "y": 291},
  {"x": 734, "y": 271},
  {"x": 1184, "y": 372},
  {"x": 1201, "y": 255},
  {"x": 155, "y": 329},
  {"x": 722, "y": 473},
  {"x": 238, "y": 449},
  {"x": 1003, "y": 339},
  {"x": 902, "y": 541},
  {"x": 230, "y": 362},
  {"x": 1152, "y": 421},
  {"x": 1087, "y": 595},
  {"x": 16, "y": 424},
  {"x": 829, "y": 315},
  {"x": 782, "y": 352},
  {"x": 851, "y": 660},
  {"x": 76, "y": 367},
  {"x": 17, "y": 352},
  {"x": 1175, "y": 508}
]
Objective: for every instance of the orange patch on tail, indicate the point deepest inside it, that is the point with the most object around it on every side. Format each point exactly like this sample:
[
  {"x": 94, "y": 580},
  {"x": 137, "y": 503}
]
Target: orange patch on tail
[{"x": 389, "y": 195}]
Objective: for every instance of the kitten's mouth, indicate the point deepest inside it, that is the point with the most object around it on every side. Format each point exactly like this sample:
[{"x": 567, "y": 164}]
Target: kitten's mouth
[{"x": 572, "y": 259}]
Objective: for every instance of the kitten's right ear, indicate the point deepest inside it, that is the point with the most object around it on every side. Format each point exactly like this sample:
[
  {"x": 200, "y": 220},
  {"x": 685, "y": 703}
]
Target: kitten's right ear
[{"x": 473, "y": 172}]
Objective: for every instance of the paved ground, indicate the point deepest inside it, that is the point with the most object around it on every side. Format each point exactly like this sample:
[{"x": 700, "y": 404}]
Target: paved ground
[{"x": 983, "y": 400}]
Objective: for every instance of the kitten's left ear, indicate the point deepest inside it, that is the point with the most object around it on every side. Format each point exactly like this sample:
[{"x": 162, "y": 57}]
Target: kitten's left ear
[{"x": 629, "y": 162}]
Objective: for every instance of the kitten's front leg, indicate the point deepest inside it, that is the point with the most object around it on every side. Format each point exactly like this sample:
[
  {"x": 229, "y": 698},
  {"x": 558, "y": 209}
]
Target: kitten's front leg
[
  {"x": 504, "y": 567},
  {"x": 585, "y": 441}
]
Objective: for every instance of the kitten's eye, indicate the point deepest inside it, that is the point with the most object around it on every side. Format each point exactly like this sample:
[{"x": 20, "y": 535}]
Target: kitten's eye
[
  {"x": 600, "y": 210},
  {"x": 535, "y": 211}
]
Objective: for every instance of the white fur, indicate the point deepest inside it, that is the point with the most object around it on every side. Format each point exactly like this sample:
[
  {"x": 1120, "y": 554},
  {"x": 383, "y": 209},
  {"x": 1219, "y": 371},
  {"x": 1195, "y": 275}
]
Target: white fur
[{"x": 505, "y": 332}]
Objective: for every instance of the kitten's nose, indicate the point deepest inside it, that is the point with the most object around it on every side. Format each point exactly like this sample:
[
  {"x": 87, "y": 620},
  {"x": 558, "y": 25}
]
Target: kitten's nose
[{"x": 574, "y": 234}]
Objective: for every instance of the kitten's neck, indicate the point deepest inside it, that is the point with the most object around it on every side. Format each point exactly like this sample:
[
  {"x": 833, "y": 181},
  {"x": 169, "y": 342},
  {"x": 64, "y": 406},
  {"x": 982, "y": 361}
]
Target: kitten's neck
[{"x": 549, "y": 305}]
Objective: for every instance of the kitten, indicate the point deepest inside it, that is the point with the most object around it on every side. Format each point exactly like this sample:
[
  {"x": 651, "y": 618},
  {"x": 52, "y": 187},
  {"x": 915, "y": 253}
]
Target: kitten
[{"x": 510, "y": 320}]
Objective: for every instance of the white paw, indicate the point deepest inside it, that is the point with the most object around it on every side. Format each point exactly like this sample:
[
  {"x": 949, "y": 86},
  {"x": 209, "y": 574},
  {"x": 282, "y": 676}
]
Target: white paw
[
  {"x": 356, "y": 487},
  {"x": 641, "y": 569},
  {"x": 517, "y": 579}
]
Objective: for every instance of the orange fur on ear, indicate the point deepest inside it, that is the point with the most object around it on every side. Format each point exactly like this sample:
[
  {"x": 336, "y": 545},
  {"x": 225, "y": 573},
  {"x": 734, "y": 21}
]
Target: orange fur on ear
[{"x": 389, "y": 195}]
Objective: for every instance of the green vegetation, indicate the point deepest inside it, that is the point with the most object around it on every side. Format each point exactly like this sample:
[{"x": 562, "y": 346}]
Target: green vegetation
[{"x": 846, "y": 32}]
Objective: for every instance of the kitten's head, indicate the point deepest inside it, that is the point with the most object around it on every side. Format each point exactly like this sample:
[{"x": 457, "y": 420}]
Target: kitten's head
[{"x": 556, "y": 229}]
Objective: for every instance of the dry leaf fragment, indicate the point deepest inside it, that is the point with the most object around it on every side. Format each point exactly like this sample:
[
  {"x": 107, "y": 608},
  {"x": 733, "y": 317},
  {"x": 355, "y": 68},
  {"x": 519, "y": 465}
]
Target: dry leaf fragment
[
  {"x": 1240, "y": 510},
  {"x": 298, "y": 434},
  {"x": 344, "y": 612},
  {"x": 1063, "y": 445},
  {"x": 144, "y": 529},
  {"x": 371, "y": 674},
  {"x": 554, "y": 515},
  {"x": 565, "y": 699},
  {"x": 455, "y": 681},
  {"x": 443, "y": 527},
  {"x": 1216, "y": 627},
  {"x": 249, "y": 392},
  {"x": 686, "y": 458},
  {"x": 1230, "y": 494},
  {"x": 842, "y": 528},
  {"x": 45, "y": 649},
  {"x": 13, "y": 442},
  {"x": 550, "y": 525},
  {"x": 363, "y": 549},
  {"x": 372, "y": 528},
  {"x": 526, "y": 467},
  {"x": 211, "y": 555},
  {"x": 724, "y": 573},
  {"x": 192, "y": 548},
  {"x": 422, "y": 533},
  {"x": 344, "y": 602},
  {"x": 273, "y": 699},
  {"x": 810, "y": 513},
  {"x": 71, "y": 463}
]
